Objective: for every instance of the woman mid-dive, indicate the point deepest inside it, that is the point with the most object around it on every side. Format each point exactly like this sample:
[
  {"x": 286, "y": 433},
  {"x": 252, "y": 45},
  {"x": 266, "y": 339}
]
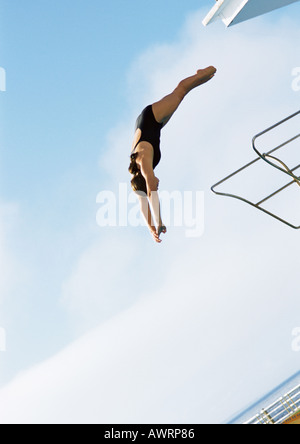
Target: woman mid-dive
[{"x": 146, "y": 155}]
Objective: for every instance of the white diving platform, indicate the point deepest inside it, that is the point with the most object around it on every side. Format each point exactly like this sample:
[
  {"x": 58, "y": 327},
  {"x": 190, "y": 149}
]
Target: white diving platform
[{"x": 232, "y": 12}]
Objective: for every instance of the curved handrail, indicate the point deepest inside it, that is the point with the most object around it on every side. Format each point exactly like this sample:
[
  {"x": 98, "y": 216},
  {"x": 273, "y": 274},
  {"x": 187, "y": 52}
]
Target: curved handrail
[
  {"x": 297, "y": 180},
  {"x": 266, "y": 156},
  {"x": 255, "y": 205}
]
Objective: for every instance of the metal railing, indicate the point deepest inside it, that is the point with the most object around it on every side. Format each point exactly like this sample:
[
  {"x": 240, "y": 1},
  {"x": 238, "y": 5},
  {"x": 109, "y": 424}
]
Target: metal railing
[
  {"x": 280, "y": 411},
  {"x": 270, "y": 159}
]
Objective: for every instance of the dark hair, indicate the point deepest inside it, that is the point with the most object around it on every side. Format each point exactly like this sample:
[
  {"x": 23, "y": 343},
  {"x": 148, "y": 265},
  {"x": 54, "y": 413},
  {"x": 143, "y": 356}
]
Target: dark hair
[{"x": 138, "y": 182}]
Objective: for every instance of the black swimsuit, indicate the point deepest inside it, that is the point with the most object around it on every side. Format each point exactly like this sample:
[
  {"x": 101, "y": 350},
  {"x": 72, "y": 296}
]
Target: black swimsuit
[{"x": 151, "y": 130}]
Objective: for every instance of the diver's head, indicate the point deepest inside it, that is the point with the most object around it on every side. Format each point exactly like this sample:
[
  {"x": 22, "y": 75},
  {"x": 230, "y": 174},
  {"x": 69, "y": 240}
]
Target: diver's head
[{"x": 138, "y": 182}]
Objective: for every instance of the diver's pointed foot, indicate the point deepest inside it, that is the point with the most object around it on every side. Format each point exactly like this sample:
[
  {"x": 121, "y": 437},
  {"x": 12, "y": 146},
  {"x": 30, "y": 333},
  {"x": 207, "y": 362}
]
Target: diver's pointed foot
[{"x": 204, "y": 75}]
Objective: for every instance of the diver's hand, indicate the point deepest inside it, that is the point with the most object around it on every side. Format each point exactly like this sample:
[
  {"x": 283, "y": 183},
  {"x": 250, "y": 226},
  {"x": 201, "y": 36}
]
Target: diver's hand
[
  {"x": 156, "y": 237},
  {"x": 157, "y": 233}
]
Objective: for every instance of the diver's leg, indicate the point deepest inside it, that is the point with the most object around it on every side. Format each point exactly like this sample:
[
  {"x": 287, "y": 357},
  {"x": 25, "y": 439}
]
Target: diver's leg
[{"x": 165, "y": 108}]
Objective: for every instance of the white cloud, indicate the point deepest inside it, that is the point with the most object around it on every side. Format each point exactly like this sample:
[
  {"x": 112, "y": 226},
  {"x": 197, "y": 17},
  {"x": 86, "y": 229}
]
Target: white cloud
[
  {"x": 194, "y": 330},
  {"x": 103, "y": 281},
  {"x": 179, "y": 355}
]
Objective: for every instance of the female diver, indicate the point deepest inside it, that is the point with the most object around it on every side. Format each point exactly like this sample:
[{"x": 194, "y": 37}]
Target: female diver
[{"x": 146, "y": 155}]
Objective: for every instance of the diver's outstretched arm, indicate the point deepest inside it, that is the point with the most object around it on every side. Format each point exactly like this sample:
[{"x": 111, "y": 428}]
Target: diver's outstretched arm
[
  {"x": 152, "y": 183},
  {"x": 155, "y": 205},
  {"x": 146, "y": 212}
]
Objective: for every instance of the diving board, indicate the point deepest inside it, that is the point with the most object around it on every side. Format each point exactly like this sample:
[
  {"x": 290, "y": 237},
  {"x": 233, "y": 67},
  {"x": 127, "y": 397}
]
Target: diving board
[{"x": 232, "y": 12}]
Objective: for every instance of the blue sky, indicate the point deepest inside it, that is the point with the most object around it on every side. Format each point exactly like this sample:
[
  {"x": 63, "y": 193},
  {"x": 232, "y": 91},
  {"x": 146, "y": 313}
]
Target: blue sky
[
  {"x": 77, "y": 75},
  {"x": 66, "y": 69},
  {"x": 66, "y": 66}
]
